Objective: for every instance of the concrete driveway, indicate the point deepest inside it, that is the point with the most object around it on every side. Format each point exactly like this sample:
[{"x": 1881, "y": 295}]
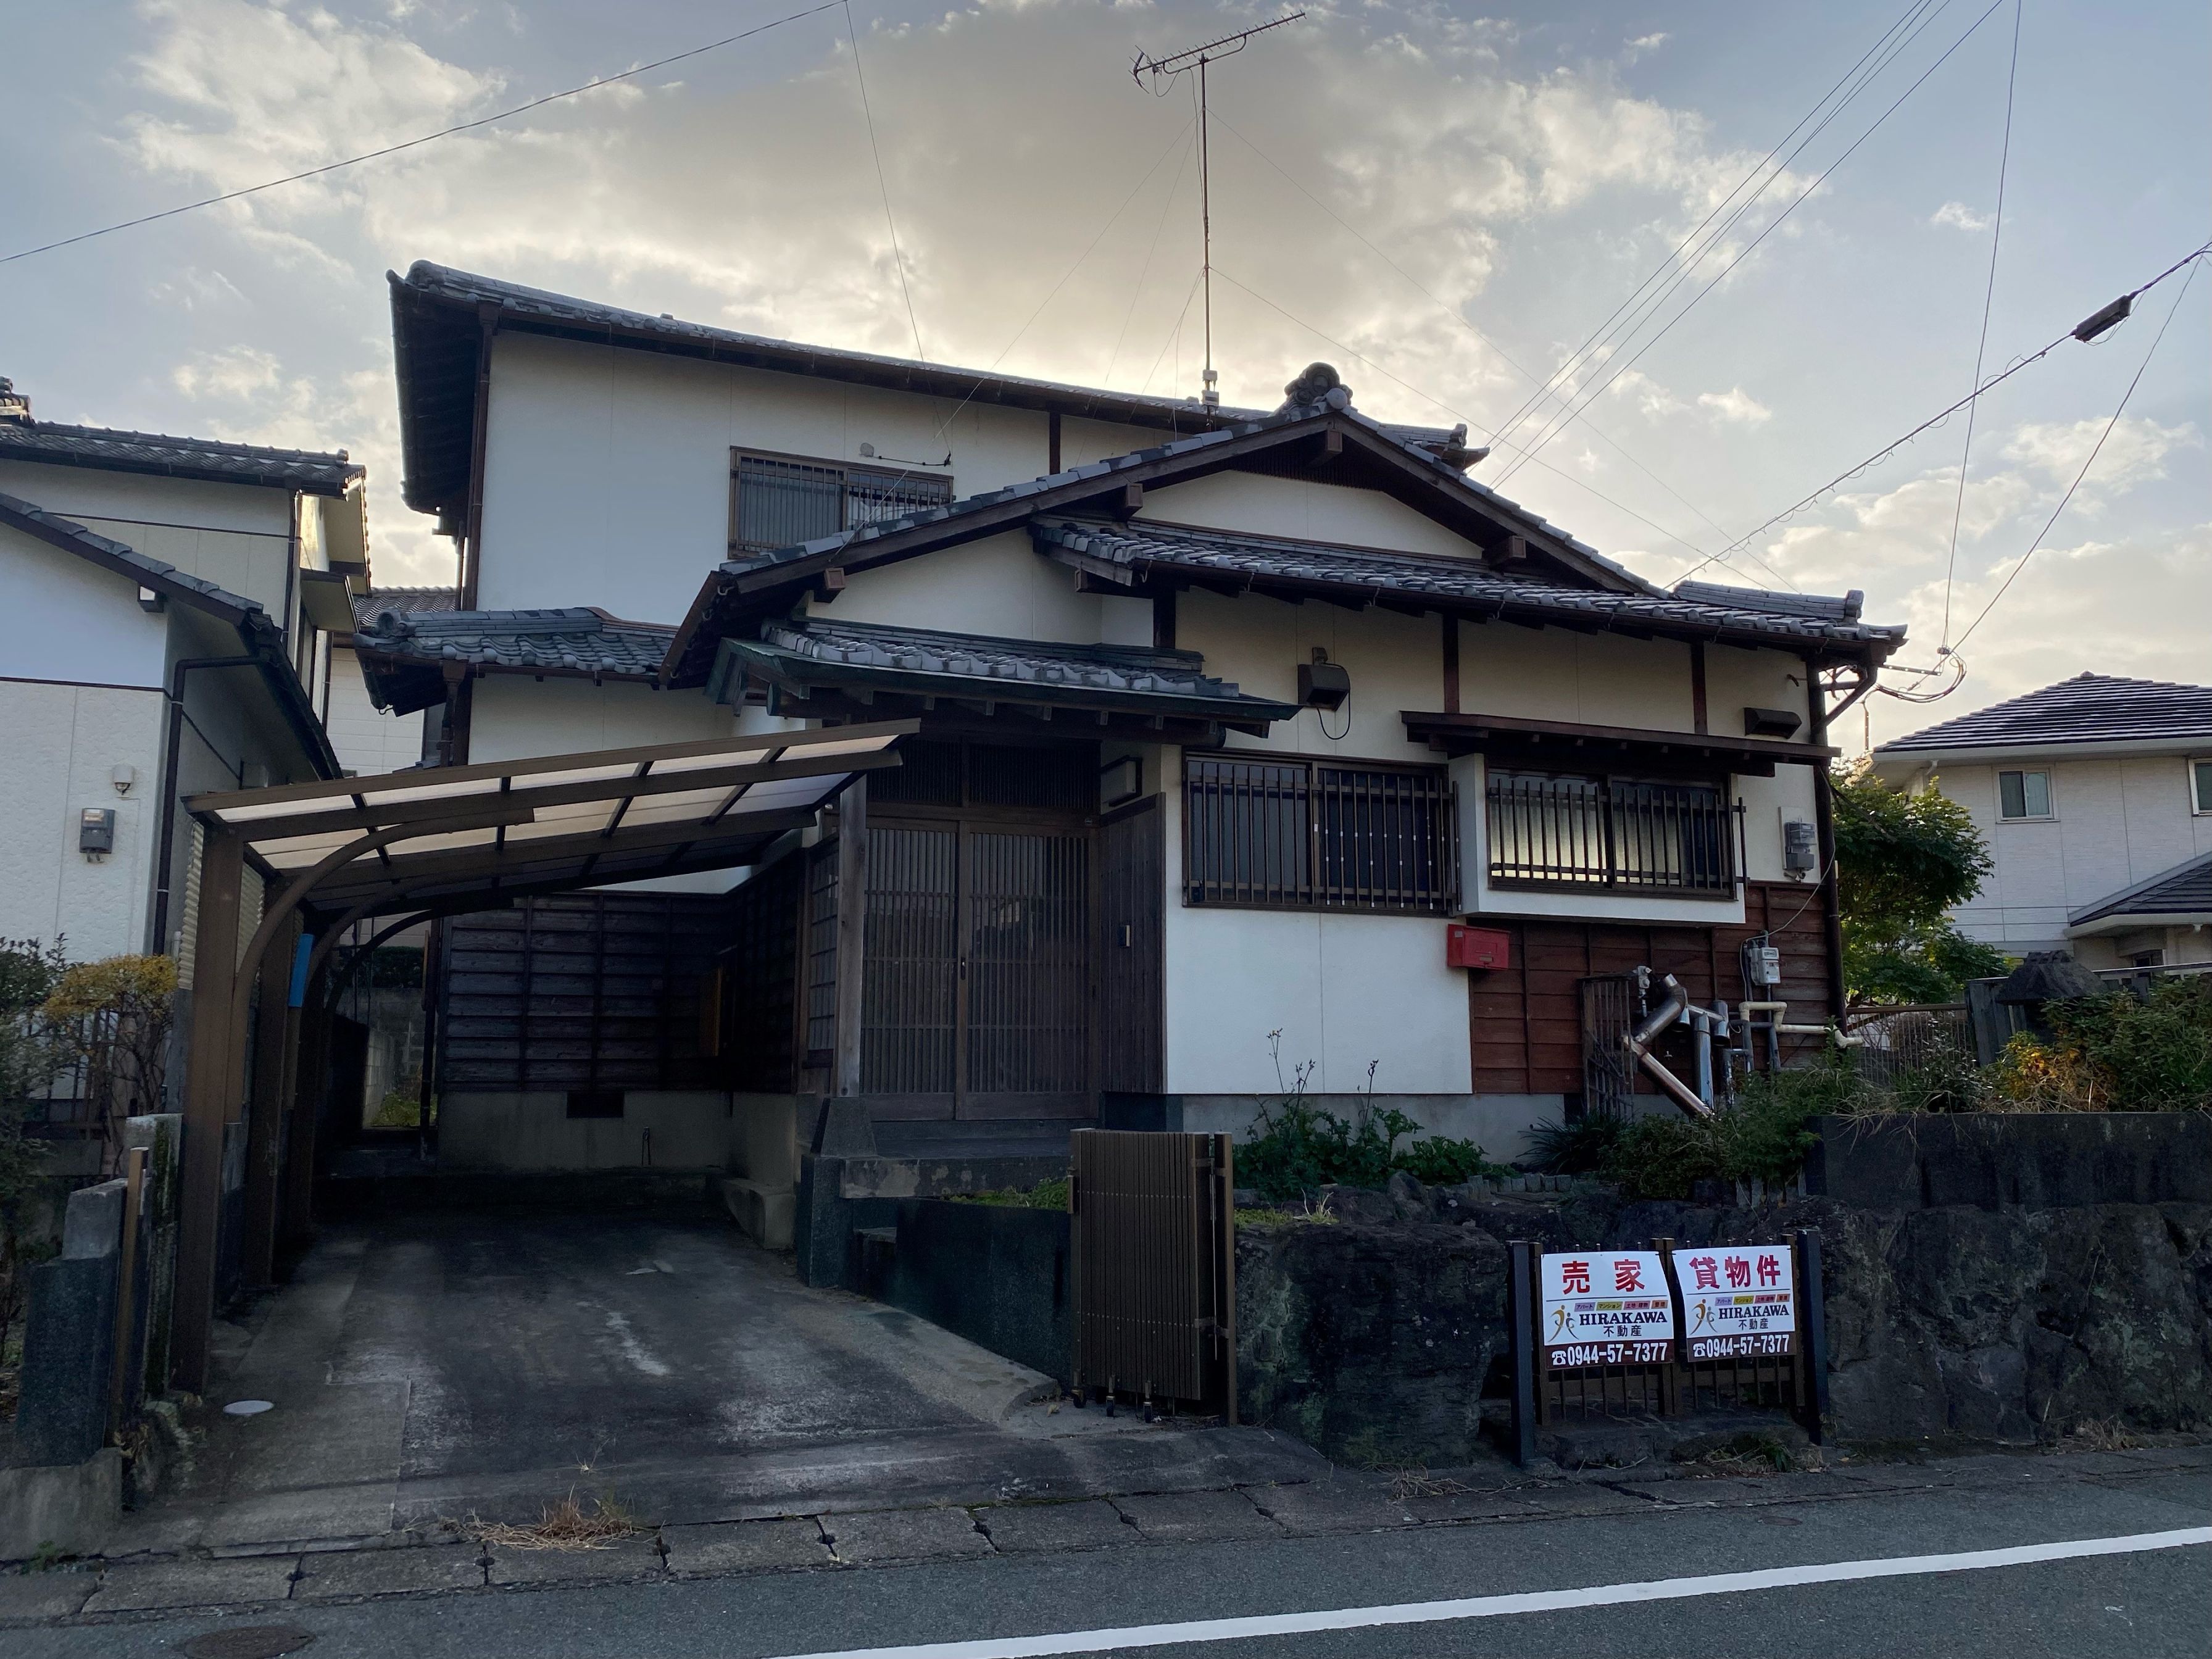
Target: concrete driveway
[{"x": 431, "y": 1366}]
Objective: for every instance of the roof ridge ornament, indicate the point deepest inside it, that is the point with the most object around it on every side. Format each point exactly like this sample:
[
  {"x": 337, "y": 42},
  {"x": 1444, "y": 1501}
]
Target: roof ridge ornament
[{"x": 1320, "y": 386}]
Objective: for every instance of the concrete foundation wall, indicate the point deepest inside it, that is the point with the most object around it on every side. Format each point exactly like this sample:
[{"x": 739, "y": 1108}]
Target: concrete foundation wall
[
  {"x": 1497, "y": 1123},
  {"x": 533, "y": 1132}
]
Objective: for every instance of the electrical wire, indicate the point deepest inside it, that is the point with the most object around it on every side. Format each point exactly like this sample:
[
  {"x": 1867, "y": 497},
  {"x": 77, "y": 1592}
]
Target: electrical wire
[
  {"x": 426, "y": 138},
  {"x": 1431, "y": 398},
  {"x": 1566, "y": 368},
  {"x": 1453, "y": 311},
  {"x": 1585, "y": 396},
  {"x": 1174, "y": 335},
  {"x": 882, "y": 185},
  {"x": 2087, "y": 464},
  {"x": 1981, "y": 348},
  {"x": 1896, "y": 444},
  {"x": 1145, "y": 271}
]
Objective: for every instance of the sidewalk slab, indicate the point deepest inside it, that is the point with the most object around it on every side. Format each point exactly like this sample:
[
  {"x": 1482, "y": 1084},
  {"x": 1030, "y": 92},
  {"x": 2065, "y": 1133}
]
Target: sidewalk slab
[
  {"x": 418, "y": 1570},
  {"x": 1024, "y": 1529},
  {"x": 44, "y": 1595},
  {"x": 905, "y": 1535},
  {"x": 625, "y": 1558},
  {"x": 194, "y": 1584},
  {"x": 1196, "y": 1517},
  {"x": 745, "y": 1547}
]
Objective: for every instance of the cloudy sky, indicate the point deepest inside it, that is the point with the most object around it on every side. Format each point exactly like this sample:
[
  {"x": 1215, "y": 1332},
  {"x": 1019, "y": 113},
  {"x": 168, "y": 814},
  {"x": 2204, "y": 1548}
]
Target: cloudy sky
[{"x": 1446, "y": 203}]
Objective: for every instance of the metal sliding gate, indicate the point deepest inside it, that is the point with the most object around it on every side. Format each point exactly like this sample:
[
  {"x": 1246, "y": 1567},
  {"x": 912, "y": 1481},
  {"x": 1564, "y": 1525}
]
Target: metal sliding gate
[{"x": 1154, "y": 1268}]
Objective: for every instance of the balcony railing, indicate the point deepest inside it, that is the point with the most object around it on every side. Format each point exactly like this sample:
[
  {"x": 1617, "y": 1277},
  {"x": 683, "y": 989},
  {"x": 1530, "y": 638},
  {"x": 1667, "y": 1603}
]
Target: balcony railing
[{"x": 1594, "y": 834}]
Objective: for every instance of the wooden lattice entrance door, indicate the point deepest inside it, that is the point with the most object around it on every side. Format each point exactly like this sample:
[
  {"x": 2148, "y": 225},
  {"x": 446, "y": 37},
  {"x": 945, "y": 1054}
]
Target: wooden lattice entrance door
[{"x": 978, "y": 971}]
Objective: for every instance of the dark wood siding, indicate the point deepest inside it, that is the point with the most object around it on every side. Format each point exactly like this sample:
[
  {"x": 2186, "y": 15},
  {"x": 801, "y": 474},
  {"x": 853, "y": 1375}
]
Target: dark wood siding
[
  {"x": 1525, "y": 1021},
  {"x": 580, "y": 991},
  {"x": 760, "y": 979},
  {"x": 1133, "y": 875}
]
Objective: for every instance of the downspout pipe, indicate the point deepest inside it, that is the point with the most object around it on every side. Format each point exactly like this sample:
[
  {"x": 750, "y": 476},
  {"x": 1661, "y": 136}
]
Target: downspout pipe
[{"x": 164, "y": 870}]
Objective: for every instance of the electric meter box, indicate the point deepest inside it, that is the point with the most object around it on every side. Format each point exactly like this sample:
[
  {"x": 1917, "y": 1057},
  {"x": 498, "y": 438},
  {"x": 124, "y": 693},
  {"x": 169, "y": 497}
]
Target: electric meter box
[
  {"x": 95, "y": 831},
  {"x": 1763, "y": 964}
]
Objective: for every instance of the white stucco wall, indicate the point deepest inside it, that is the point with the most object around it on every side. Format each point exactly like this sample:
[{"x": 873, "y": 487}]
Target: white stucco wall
[
  {"x": 368, "y": 741},
  {"x": 1304, "y": 511},
  {"x": 1594, "y": 679},
  {"x": 58, "y": 747},
  {"x": 65, "y": 618},
  {"x": 607, "y": 471},
  {"x": 1342, "y": 989},
  {"x": 2116, "y": 821},
  {"x": 514, "y": 717},
  {"x": 1000, "y": 585},
  {"x": 236, "y": 536}
]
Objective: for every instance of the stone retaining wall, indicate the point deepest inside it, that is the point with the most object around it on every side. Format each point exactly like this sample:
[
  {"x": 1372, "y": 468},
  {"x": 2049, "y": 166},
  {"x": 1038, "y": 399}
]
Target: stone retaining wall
[{"x": 1375, "y": 1337}]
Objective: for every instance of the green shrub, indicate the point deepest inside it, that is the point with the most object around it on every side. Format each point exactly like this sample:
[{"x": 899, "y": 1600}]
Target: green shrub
[
  {"x": 1577, "y": 1148},
  {"x": 2149, "y": 1053}
]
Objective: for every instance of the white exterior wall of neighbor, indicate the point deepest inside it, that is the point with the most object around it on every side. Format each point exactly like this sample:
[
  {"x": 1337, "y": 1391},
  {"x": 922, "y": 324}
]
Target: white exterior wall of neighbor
[
  {"x": 2117, "y": 820},
  {"x": 237, "y": 535},
  {"x": 607, "y": 471},
  {"x": 80, "y": 679},
  {"x": 1302, "y": 510},
  {"x": 369, "y": 740}
]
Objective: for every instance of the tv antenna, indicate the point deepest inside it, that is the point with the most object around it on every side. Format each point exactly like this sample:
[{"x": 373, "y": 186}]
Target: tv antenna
[{"x": 1164, "y": 71}]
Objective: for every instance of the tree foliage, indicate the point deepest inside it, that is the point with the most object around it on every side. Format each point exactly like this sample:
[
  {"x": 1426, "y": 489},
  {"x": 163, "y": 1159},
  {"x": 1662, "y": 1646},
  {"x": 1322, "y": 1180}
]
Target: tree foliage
[{"x": 1901, "y": 862}]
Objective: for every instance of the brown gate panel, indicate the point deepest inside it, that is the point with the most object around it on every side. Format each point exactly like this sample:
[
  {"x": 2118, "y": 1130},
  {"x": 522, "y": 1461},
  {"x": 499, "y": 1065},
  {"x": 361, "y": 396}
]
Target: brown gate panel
[{"x": 1155, "y": 1267}]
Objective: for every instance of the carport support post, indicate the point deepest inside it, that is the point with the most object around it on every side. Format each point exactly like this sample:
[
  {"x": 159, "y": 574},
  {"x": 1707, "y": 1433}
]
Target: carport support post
[
  {"x": 852, "y": 933},
  {"x": 213, "y": 1067},
  {"x": 273, "y": 1046},
  {"x": 310, "y": 1072}
]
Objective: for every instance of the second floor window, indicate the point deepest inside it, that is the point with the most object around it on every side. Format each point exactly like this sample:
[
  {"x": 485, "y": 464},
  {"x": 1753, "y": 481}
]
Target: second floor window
[
  {"x": 1610, "y": 834},
  {"x": 2024, "y": 795},
  {"x": 1289, "y": 834},
  {"x": 777, "y": 500},
  {"x": 2200, "y": 784}
]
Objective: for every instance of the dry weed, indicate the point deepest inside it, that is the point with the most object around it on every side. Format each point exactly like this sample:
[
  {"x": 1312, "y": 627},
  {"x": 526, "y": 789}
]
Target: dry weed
[{"x": 592, "y": 1524}]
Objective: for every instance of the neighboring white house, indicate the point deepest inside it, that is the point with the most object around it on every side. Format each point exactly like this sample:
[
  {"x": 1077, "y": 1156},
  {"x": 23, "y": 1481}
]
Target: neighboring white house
[
  {"x": 2096, "y": 797},
  {"x": 1225, "y": 715},
  {"x": 168, "y": 608}
]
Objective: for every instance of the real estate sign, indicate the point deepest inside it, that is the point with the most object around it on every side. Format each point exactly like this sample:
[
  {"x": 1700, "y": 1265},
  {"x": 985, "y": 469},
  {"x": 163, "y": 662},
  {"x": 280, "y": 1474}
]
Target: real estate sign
[
  {"x": 1605, "y": 1308},
  {"x": 1739, "y": 1301}
]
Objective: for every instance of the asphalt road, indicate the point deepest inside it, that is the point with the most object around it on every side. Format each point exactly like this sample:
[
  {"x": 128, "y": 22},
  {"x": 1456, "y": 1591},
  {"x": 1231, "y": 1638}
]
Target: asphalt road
[{"x": 2144, "y": 1605}]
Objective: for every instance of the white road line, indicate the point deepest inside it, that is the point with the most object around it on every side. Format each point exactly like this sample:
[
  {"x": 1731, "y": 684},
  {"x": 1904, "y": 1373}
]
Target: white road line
[{"x": 1496, "y": 1606}]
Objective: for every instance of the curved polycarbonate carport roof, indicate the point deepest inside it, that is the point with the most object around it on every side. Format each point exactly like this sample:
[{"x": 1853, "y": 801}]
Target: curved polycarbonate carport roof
[{"x": 463, "y": 837}]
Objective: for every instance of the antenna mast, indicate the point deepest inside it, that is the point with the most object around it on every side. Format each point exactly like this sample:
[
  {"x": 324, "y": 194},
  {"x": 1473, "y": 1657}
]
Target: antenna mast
[{"x": 1163, "y": 70}]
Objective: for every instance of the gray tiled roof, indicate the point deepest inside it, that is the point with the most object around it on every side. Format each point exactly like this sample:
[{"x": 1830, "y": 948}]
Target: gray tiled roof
[
  {"x": 402, "y": 601},
  {"x": 576, "y": 639},
  {"x": 208, "y": 459},
  {"x": 1834, "y": 607},
  {"x": 1467, "y": 581},
  {"x": 1288, "y": 416},
  {"x": 442, "y": 283},
  {"x": 2088, "y": 708},
  {"x": 153, "y": 573},
  {"x": 927, "y": 650},
  {"x": 2185, "y": 889}
]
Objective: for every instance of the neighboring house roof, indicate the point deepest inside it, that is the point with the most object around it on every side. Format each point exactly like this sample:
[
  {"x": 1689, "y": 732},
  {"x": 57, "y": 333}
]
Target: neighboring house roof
[
  {"x": 402, "y": 601},
  {"x": 1130, "y": 550},
  {"x": 405, "y": 653},
  {"x": 207, "y": 459},
  {"x": 439, "y": 315},
  {"x": 2185, "y": 891},
  {"x": 800, "y": 655},
  {"x": 2088, "y": 708},
  {"x": 261, "y": 637}
]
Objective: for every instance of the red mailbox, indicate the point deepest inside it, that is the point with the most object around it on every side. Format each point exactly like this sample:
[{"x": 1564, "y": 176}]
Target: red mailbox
[{"x": 1477, "y": 947}]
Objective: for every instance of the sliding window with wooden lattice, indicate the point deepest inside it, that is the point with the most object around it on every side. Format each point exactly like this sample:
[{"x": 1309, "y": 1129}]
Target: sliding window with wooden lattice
[{"x": 1282, "y": 833}]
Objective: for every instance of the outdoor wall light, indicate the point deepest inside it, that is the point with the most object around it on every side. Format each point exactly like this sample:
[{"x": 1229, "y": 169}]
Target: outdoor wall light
[
  {"x": 122, "y": 777},
  {"x": 1324, "y": 684}
]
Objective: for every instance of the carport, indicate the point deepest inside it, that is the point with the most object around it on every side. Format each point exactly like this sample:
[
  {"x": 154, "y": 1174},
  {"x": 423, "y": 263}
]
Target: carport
[{"x": 407, "y": 846}]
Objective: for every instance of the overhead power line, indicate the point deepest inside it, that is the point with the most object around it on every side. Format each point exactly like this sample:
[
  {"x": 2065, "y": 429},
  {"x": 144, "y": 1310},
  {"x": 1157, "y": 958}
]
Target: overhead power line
[
  {"x": 1585, "y": 396},
  {"x": 1982, "y": 345},
  {"x": 882, "y": 185},
  {"x": 2095, "y": 449},
  {"x": 2089, "y": 328},
  {"x": 426, "y": 138},
  {"x": 1566, "y": 369}
]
